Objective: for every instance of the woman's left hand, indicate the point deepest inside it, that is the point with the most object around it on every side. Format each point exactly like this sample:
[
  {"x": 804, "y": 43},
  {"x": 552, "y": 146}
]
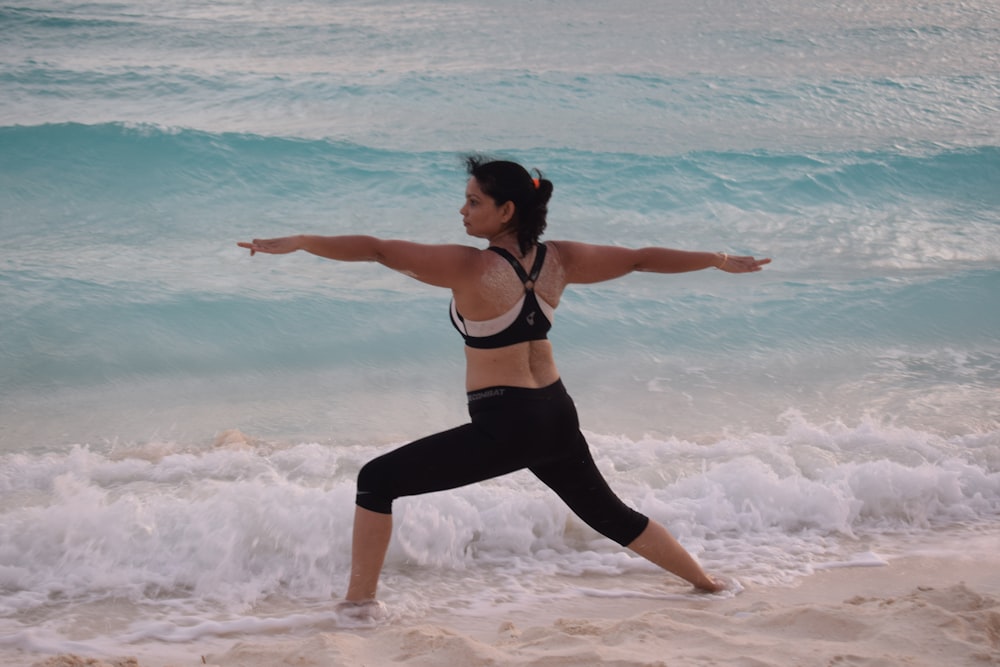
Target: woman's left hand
[{"x": 279, "y": 246}]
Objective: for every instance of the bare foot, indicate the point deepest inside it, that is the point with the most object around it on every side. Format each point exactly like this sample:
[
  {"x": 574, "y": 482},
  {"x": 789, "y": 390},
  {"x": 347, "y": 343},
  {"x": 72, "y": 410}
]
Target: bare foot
[
  {"x": 366, "y": 610},
  {"x": 713, "y": 585},
  {"x": 726, "y": 585}
]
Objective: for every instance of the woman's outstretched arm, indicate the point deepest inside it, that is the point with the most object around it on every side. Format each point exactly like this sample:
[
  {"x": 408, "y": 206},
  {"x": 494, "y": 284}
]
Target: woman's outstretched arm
[
  {"x": 587, "y": 263},
  {"x": 439, "y": 265}
]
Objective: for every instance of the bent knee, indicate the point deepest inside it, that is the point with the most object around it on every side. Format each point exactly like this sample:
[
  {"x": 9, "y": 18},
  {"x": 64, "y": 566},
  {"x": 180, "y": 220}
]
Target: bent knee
[{"x": 374, "y": 488}]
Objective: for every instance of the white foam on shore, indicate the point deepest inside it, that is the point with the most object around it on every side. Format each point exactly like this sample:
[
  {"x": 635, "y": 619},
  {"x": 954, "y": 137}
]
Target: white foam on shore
[{"x": 174, "y": 544}]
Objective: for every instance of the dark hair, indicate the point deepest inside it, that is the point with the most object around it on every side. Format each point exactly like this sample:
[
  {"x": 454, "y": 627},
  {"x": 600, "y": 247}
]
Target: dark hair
[{"x": 510, "y": 182}]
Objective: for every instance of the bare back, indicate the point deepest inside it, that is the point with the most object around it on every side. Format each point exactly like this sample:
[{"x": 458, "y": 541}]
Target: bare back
[{"x": 494, "y": 290}]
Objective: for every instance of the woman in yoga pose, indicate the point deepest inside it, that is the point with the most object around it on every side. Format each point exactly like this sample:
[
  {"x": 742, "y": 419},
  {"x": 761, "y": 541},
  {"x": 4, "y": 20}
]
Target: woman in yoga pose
[{"x": 503, "y": 302}]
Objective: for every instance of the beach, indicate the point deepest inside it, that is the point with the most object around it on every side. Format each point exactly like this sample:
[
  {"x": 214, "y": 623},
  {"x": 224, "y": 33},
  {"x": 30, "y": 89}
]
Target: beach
[{"x": 915, "y": 610}]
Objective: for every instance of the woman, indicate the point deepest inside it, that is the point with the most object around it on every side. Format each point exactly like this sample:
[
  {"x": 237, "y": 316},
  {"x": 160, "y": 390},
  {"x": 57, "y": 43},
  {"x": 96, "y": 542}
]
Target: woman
[{"x": 503, "y": 300}]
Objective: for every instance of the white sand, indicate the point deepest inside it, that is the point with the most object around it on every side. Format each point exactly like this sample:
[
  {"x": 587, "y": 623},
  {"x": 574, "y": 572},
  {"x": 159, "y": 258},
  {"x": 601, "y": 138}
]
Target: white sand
[{"x": 915, "y": 611}]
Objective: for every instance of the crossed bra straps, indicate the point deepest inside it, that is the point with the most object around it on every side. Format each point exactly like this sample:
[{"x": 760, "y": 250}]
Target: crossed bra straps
[{"x": 529, "y": 319}]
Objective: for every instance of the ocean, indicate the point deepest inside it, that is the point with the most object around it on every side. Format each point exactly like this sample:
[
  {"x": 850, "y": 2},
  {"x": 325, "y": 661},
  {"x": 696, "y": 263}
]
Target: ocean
[{"x": 181, "y": 424}]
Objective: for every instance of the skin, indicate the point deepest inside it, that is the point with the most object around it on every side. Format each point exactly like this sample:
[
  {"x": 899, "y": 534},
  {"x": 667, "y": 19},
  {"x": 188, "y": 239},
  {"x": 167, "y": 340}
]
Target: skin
[{"x": 484, "y": 287}]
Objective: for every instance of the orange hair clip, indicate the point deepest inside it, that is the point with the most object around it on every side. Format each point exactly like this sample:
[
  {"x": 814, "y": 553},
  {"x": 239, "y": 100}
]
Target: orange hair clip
[{"x": 536, "y": 182}]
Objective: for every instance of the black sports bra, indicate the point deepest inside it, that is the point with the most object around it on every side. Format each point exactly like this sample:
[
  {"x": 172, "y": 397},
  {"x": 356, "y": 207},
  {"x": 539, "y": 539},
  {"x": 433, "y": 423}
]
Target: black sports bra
[{"x": 529, "y": 319}]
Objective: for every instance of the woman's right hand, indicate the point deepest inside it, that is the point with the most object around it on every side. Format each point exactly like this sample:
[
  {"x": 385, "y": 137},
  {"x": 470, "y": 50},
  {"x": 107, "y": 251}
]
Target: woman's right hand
[{"x": 740, "y": 263}]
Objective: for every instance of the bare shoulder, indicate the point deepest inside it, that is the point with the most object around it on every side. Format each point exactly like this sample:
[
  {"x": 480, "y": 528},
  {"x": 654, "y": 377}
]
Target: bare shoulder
[
  {"x": 444, "y": 265},
  {"x": 592, "y": 263}
]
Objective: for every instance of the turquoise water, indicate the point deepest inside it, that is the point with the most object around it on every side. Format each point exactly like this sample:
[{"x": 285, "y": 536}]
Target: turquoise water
[{"x": 180, "y": 424}]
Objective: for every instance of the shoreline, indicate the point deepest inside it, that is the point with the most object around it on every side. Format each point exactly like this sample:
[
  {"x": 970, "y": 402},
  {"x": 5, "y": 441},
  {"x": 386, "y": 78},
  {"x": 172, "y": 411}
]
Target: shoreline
[{"x": 916, "y": 610}]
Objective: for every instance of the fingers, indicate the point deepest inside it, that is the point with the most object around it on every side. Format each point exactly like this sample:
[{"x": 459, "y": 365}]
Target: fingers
[
  {"x": 753, "y": 264},
  {"x": 252, "y": 247},
  {"x": 744, "y": 263},
  {"x": 269, "y": 246}
]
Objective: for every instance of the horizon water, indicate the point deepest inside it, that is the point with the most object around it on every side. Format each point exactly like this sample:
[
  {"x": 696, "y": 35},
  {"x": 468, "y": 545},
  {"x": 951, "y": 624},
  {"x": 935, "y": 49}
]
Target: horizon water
[{"x": 181, "y": 424}]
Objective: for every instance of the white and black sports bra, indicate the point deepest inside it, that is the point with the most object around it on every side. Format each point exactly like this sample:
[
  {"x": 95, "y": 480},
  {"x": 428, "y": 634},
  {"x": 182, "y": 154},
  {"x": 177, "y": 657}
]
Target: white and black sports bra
[{"x": 529, "y": 319}]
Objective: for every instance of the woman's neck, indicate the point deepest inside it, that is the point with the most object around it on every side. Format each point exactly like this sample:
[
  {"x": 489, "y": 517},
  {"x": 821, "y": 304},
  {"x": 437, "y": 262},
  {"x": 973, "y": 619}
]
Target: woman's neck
[{"x": 508, "y": 241}]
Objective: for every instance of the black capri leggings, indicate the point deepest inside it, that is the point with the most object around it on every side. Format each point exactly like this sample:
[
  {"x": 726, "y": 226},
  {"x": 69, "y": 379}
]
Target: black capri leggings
[{"x": 511, "y": 428}]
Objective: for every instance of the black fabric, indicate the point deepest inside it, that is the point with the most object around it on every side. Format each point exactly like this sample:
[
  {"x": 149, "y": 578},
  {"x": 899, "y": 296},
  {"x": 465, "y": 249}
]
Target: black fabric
[{"x": 511, "y": 428}]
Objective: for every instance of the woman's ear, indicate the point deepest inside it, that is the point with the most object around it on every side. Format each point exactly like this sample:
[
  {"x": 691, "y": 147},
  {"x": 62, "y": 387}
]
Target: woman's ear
[{"x": 507, "y": 211}]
